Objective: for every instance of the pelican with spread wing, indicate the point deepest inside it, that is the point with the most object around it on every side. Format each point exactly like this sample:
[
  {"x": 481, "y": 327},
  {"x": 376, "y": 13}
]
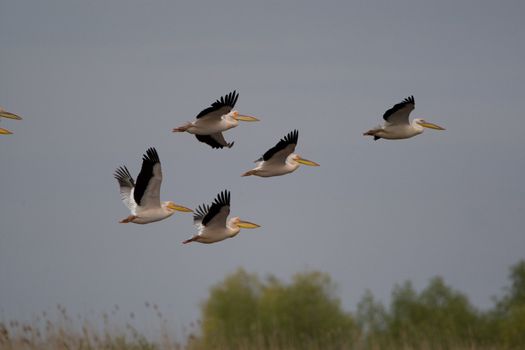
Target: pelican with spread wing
[
  {"x": 212, "y": 224},
  {"x": 212, "y": 121},
  {"x": 143, "y": 197},
  {"x": 280, "y": 159},
  {"x": 397, "y": 125},
  {"x": 7, "y": 115}
]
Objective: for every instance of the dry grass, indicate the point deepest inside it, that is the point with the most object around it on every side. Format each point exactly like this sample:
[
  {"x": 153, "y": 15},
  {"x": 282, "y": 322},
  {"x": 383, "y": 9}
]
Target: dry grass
[{"x": 62, "y": 332}]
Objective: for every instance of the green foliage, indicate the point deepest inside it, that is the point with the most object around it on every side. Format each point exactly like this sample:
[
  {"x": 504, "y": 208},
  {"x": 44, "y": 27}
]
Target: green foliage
[
  {"x": 438, "y": 315},
  {"x": 508, "y": 319},
  {"x": 231, "y": 310},
  {"x": 515, "y": 293},
  {"x": 245, "y": 311}
]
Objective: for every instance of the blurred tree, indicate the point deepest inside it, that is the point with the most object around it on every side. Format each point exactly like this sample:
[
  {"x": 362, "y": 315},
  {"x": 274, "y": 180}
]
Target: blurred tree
[
  {"x": 437, "y": 315},
  {"x": 230, "y": 312},
  {"x": 510, "y": 310},
  {"x": 305, "y": 312},
  {"x": 373, "y": 321},
  {"x": 242, "y": 311}
]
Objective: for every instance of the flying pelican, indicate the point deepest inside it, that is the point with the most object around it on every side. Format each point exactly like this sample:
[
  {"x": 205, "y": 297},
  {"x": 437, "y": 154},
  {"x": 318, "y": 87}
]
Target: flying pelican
[
  {"x": 397, "y": 126},
  {"x": 143, "y": 198},
  {"x": 280, "y": 159},
  {"x": 8, "y": 115},
  {"x": 212, "y": 121},
  {"x": 211, "y": 221}
]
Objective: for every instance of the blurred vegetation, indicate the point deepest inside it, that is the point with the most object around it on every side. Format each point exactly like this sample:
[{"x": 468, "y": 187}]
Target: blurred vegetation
[
  {"x": 243, "y": 311},
  {"x": 247, "y": 312}
]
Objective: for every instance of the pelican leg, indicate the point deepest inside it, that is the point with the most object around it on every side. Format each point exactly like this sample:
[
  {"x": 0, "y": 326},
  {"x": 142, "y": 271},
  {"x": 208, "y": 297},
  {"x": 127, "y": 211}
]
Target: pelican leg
[
  {"x": 250, "y": 172},
  {"x": 182, "y": 128},
  {"x": 373, "y": 133},
  {"x": 128, "y": 219},
  {"x": 192, "y": 239}
]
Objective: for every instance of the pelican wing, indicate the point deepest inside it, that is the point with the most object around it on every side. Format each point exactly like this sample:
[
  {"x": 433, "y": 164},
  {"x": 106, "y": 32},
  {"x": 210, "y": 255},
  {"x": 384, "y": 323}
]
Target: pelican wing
[
  {"x": 282, "y": 149},
  {"x": 400, "y": 112},
  {"x": 147, "y": 189},
  {"x": 200, "y": 213},
  {"x": 216, "y": 214},
  {"x": 127, "y": 186},
  {"x": 214, "y": 140},
  {"x": 222, "y": 106}
]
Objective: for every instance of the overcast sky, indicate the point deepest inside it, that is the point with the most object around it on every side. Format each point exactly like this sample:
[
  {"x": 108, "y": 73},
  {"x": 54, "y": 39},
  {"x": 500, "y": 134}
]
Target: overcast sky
[{"x": 98, "y": 82}]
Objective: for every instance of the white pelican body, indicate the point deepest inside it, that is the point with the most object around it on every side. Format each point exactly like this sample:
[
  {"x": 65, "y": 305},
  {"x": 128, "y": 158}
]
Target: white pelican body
[
  {"x": 7, "y": 115},
  {"x": 212, "y": 121},
  {"x": 212, "y": 224},
  {"x": 269, "y": 169},
  {"x": 280, "y": 159},
  {"x": 397, "y": 125},
  {"x": 143, "y": 199},
  {"x": 208, "y": 126}
]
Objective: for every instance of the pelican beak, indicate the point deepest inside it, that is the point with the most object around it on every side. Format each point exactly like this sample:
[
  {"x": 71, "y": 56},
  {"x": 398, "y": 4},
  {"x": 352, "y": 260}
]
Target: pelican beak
[
  {"x": 245, "y": 118},
  {"x": 247, "y": 224},
  {"x": 306, "y": 162},
  {"x": 178, "y": 207},
  {"x": 10, "y": 116},
  {"x": 430, "y": 125},
  {"x": 5, "y": 132}
]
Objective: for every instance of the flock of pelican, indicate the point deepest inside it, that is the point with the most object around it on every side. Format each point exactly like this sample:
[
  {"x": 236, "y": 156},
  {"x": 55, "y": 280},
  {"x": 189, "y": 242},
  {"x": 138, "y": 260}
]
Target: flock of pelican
[{"x": 142, "y": 196}]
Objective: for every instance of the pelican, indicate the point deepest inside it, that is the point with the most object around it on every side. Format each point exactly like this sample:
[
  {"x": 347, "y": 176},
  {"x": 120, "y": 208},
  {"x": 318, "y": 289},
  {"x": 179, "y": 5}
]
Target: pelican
[
  {"x": 397, "y": 126},
  {"x": 211, "y": 221},
  {"x": 143, "y": 198},
  {"x": 212, "y": 121},
  {"x": 8, "y": 115},
  {"x": 280, "y": 159}
]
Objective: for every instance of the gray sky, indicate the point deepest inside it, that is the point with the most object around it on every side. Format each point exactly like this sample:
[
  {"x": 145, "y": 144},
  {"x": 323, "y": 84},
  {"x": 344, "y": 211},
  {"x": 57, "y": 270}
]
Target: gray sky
[{"x": 98, "y": 82}]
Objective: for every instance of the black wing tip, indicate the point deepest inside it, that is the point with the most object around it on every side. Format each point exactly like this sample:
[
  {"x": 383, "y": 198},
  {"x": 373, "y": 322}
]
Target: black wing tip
[
  {"x": 210, "y": 141},
  {"x": 123, "y": 176},
  {"x": 292, "y": 137},
  {"x": 200, "y": 212},
  {"x": 151, "y": 155},
  {"x": 223, "y": 198},
  {"x": 219, "y": 146},
  {"x": 398, "y": 106},
  {"x": 121, "y": 171},
  {"x": 289, "y": 139},
  {"x": 409, "y": 99},
  {"x": 229, "y": 99}
]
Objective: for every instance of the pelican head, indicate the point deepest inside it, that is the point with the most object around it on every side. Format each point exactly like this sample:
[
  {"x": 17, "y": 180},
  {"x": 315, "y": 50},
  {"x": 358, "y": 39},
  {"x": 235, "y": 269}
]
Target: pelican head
[
  {"x": 426, "y": 124},
  {"x": 172, "y": 207},
  {"x": 298, "y": 159},
  {"x": 245, "y": 118}
]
